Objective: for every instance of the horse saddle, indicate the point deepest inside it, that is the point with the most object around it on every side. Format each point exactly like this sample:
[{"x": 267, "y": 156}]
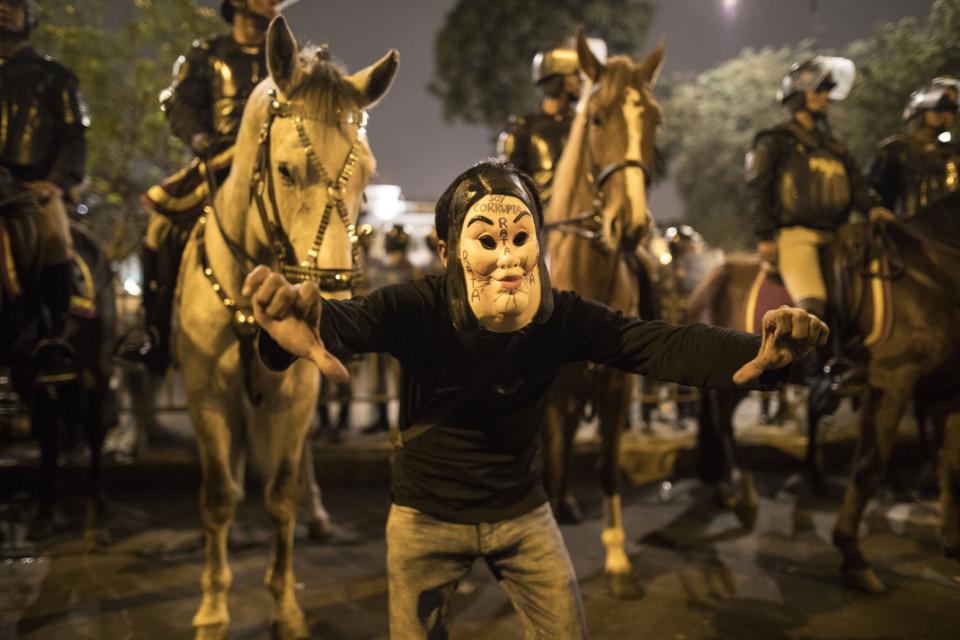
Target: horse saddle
[
  {"x": 851, "y": 286},
  {"x": 20, "y": 266}
]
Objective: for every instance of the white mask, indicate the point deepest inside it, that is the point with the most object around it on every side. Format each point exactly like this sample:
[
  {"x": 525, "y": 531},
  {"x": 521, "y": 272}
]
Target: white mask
[{"x": 500, "y": 256}]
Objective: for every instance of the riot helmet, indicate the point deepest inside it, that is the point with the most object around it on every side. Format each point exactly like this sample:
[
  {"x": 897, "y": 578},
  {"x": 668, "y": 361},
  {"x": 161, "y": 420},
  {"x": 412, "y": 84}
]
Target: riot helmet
[
  {"x": 31, "y": 16},
  {"x": 830, "y": 73},
  {"x": 941, "y": 94},
  {"x": 563, "y": 60},
  {"x": 228, "y": 9}
]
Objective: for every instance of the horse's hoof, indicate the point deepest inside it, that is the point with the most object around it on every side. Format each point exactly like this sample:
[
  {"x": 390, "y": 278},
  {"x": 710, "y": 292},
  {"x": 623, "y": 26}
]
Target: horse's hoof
[
  {"x": 624, "y": 586},
  {"x": 862, "y": 578},
  {"x": 748, "y": 500},
  {"x": 292, "y": 626},
  {"x": 211, "y": 632},
  {"x": 96, "y": 538},
  {"x": 568, "y": 511},
  {"x": 329, "y": 533}
]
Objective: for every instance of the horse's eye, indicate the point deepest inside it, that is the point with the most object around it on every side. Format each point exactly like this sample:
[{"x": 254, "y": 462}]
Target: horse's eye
[
  {"x": 520, "y": 238},
  {"x": 285, "y": 173},
  {"x": 488, "y": 242},
  {"x": 596, "y": 120}
]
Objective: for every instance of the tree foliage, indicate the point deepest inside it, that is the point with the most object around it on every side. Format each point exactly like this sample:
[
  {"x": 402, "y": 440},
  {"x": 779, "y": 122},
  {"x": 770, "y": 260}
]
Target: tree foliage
[
  {"x": 484, "y": 50},
  {"x": 710, "y": 119},
  {"x": 123, "y": 60}
]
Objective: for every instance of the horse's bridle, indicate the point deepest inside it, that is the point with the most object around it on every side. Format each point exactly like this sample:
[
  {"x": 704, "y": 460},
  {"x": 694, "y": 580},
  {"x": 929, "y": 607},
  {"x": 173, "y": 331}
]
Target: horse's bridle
[
  {"x": 262, "y": 184},
  {"x": 588, "y": 224},
  {"x": 262, "y": 190}
]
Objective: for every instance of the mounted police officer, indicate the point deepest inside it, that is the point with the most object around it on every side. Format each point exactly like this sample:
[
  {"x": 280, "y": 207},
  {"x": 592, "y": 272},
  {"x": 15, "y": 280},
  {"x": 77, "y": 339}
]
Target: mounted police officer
[
  {"x": 204, "y": 106},
  {"x": 533, "y": 142},
  {"x": 804, "y": 182},
  {"x": 42, "y": 144},
  {"x": 919, "y": 166}
]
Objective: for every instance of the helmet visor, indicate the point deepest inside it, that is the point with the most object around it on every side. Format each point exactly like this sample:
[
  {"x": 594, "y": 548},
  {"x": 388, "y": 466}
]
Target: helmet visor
[{"x": 835, "y": 75}]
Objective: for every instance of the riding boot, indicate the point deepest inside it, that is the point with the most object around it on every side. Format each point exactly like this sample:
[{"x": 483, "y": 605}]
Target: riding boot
[
  {"x": 55, "y": 358},
  {"x": 148, "y": 344}
]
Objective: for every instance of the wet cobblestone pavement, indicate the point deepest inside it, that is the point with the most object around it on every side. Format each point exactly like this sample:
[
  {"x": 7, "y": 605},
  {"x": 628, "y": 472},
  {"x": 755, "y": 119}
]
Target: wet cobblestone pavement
[{"x": 703, "y": 576}]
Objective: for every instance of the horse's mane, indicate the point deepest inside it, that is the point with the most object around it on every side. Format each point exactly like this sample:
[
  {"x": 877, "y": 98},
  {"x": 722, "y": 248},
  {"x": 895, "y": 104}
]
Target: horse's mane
[{"x": 321, "y": 87}]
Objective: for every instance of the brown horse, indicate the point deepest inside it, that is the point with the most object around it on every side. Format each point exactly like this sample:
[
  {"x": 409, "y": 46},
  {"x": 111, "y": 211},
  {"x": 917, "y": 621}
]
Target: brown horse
[
  {"x": 918, "y": 351},
  {"x": 290, "y": 201},
  {"x": 599, "y": 207}
]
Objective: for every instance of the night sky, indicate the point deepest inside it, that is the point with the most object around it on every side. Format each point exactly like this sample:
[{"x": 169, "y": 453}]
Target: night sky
[{"x": 417, "y": 150}]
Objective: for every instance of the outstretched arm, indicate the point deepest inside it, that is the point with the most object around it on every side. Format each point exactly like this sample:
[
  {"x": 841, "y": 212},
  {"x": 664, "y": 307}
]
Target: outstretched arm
[
  {"x": 291, "y": 315},
  {"x": 695, "y": 355}
]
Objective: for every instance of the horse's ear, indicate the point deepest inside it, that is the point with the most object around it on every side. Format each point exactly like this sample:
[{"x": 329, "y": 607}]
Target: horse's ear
[
  {"x": 282, "y": 52},
  {"x": 588, "y": 60},
  {"x": 374, "y": 81},
  {"x": 649, "y": 69}
]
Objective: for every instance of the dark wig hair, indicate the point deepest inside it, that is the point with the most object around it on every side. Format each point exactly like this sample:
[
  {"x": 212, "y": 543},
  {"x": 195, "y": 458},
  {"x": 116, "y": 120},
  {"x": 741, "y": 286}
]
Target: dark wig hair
[{"x": 482, "y": 179}]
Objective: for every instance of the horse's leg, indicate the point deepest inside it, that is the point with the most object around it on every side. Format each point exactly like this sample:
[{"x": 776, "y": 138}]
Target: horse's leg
[
  {"x": 95, "y": 533},
  {"x": 736, "y": 489},
  {"x": 219, "y": 495},
  {"x": 948, "y": 420},
  {"x": 319, "y": 525},
  {"x": 561, "y": 422},
  {"x": 281, "y": 430},
  {"x": 613, "y": 410},
  {"x": 879, "y": 418},
  {"x": 813, "y": 463},
  {"x": 648, "y": 402},
  {"x": 44, "y": 416}
]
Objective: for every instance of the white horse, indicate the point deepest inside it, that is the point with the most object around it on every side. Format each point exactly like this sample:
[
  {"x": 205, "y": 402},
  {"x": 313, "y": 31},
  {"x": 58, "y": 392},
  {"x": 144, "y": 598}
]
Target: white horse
[{"x": 291, "y": 200}]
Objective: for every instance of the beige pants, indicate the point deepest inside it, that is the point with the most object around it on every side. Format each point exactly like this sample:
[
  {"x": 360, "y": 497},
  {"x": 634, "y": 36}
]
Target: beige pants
[
  {"x": 800, "y": 263},
  {"x": 55, "y": 232}
]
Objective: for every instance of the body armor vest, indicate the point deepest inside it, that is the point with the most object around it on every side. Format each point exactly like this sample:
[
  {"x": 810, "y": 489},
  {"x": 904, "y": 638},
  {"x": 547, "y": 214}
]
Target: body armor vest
[
  {"x": 812, "y": 186},
  {"x": 911, "y": 173},
  {"x": 42, "y": 120},
  {"x": 533, "y": 143},
  {"x": 210, "y": 88}
]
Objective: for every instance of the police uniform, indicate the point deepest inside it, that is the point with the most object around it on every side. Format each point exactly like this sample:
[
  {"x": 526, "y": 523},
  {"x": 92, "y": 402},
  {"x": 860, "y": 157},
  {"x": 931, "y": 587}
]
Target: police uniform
[
  {"x": 919, "y": 167},
  {"x": 803, "y": 182},
  {"x": 43, "y": 122},
  {"x": 210, "y": 88},
  {"x": 911, "y": 172},
  {"x": 803, "y": 185},
  {"x": 534, "y": 143}
]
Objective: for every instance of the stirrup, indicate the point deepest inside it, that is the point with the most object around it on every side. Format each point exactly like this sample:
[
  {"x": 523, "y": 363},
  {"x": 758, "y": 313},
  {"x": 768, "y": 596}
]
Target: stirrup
[
  {"x": 846, "y": 376},
  {"x": 137, "y": 345},
  {"x": 56, "y": 361}
]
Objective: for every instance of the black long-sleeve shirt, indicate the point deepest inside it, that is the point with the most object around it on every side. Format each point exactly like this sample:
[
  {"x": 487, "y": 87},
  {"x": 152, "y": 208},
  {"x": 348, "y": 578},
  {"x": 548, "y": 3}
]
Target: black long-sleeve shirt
[{"x": 485, "y": 393}]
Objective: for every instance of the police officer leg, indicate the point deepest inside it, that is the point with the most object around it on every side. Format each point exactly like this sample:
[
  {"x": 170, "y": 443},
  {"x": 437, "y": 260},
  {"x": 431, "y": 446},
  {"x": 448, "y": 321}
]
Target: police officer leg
[{"x": 57, "y": 253}]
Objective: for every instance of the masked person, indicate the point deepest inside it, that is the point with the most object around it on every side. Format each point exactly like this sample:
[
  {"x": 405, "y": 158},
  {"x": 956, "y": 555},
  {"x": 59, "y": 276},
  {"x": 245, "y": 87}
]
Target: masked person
[
  {"x": 480, "y": 348},
  {"x": 533, "y": 142},
  {"x": 42, "y": 145},
  {"x": 803, "y": 181},
  {"x": 919, "y": 166},
  {"x": 204, "y": 106}
]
